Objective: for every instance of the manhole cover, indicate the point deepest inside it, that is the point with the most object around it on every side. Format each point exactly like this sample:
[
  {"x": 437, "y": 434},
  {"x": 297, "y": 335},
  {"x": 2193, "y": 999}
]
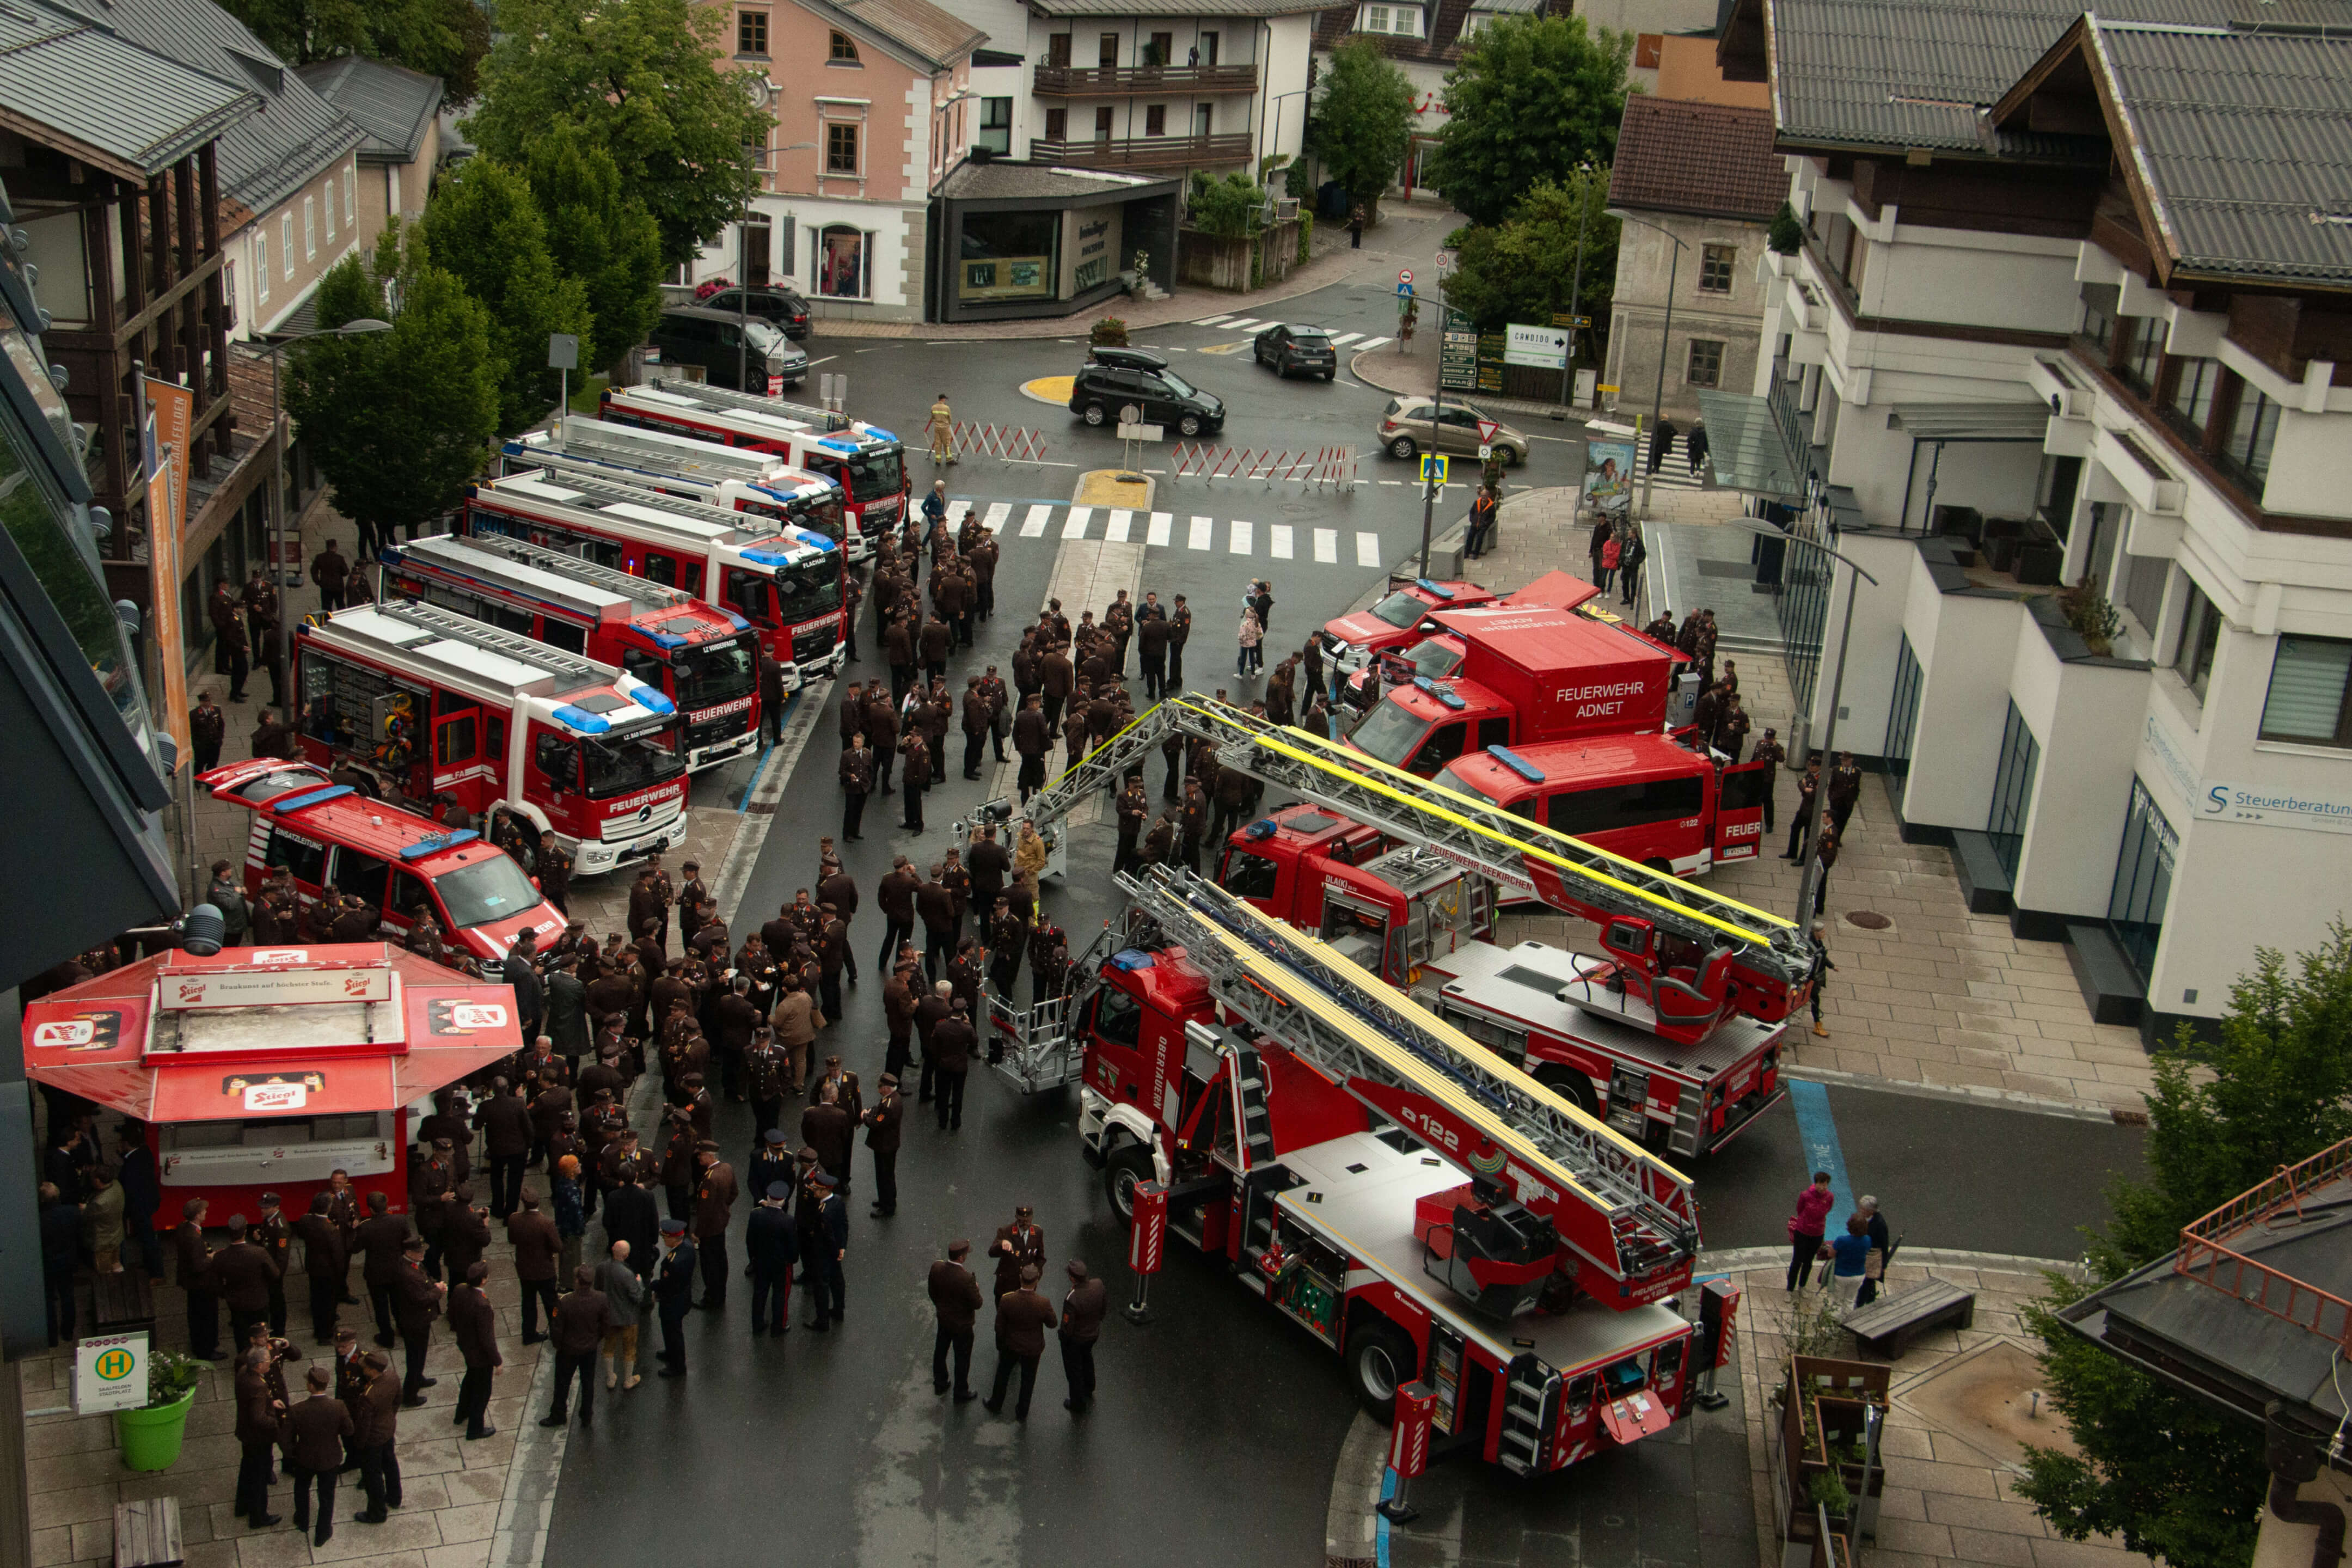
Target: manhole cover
[{"x": 1869, "y": 919}]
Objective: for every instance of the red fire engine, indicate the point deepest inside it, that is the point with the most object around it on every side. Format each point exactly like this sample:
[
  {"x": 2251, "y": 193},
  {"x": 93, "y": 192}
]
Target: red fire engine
[
  {"x": 1646, "y": 797},
  {"x": 1398, "y": 618},
  {"x": 272, "y": 1067}
]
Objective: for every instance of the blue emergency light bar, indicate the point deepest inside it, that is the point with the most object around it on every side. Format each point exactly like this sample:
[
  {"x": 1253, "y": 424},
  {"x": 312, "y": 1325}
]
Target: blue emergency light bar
[
  {"x": 577, "y": 717},
  {"x": 652, "y": 701},
  {"x": 1440, "y": 692},
  {"x": 1426, "y": 586},
  {"x": 314, "y": 796},
  {"x": 1516, "y": 764},
  {"x": 1130, "y": 959},
  {"x": 437, "y": 842}
]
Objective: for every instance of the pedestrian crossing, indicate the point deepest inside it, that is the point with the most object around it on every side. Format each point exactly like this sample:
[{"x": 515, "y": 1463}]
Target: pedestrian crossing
[
  {"x": 1013, "y": 521},
  {"x": 1352, "y": 342}
]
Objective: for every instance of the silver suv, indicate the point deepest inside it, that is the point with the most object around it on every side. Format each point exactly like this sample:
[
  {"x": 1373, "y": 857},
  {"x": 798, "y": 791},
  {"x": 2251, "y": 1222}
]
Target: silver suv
[{"x": 1412, "y": 424}]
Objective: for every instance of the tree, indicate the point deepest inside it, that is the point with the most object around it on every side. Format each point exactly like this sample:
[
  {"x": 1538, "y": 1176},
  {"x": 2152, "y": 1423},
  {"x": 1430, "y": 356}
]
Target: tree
[
  {"x": 1533, "y": 98},
  {"x": 601, "y": 235},
  {"x": 397, "y": 420},
  {"x": 444, "y": 38},
  {"x": 641, "y": 80},
  {"x": 1525, "y": 269},
  {"x": 1363, "y": 124},
  {"x": 483, "y": 221},
  {"x": 2173, "y": 1474},
  {"x": 1227, "y": 208}
]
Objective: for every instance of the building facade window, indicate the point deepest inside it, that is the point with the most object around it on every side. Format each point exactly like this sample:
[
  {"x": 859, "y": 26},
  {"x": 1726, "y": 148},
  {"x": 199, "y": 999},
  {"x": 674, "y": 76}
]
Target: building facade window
[
  {"x": 286, "y": 244},
  {"x": 1102, "y": 124},
  {"x": 1715, "y": 264},
  {"x": 351, "y": 216},
  {"x": 310, "y": 229},
  {"x": 752, "y": 32},
  {"x": 1404, "y": 21},
  {"x": 1155, "y": 119},
  {"x": 327, "y": 200},
  {"x": 1057, "y": 125},
  {"x": 841, "y": 149},
  {"x": 261, "y": 266},
  {"x": 2099, "y": 302},
  {"x": 996, "y": 126},
  {"x": 2200, "y": 634},
  {"x": 842, "y": 264},
  {"x": 1706, "y": 362},
  {"x": 2311, "y": 678},
  {"x": 2143, "y": 351},
  {"x": 2013, "y": 792},
  {"x": 2143, "y": 882},
  {"x": 1057, "y": 50},
  {"x": 1903, "y": 713},
  {"x": 2253, "y": 430},
  {"x": 2194, "y": 382},
  {"x": 844, "y": 50},
  {"x": 2144, "y": 579}
]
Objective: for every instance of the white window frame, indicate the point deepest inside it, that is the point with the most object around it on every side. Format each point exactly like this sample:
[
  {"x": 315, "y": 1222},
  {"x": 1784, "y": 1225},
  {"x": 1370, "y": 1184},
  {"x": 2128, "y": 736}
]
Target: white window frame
[
  {"x": 261, "y": 266},
  {"x": 351, "y": 213},
  {"x": 310, "y": 227},
  {"x": 866, "y": 238},
  {"x": 286, "y": 242},
  {"x": 327, "y": 200}
]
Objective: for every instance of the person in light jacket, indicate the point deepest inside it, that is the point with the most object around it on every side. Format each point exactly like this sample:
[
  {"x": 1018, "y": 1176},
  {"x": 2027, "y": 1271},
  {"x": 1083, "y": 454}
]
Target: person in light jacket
[
  {"x": 1249, "y": 635},
  {"x": 625, "y": 1296}
]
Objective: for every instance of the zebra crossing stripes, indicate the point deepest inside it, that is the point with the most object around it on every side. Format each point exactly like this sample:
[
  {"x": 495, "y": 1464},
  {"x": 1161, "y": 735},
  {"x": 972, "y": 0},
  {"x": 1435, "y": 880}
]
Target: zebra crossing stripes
[
  {"x": 1158, "y": 529},
  {"x": 1161, "y": 522},
  {"x": 1371, "y": 343},
  {"x": 997, "y": 514},
  {"x": 1074, "y": 526},
  {"x": 1201, "y": 530},
  {"x": 1327, "y": 547},
  {"x": 1277, "y": 541},
  {"x": 1033, "y": 526},
  {"x": 1115, "y": 530},
  {"x": 1367, "y": 549},
  {"x": 1240, "y": 543}
]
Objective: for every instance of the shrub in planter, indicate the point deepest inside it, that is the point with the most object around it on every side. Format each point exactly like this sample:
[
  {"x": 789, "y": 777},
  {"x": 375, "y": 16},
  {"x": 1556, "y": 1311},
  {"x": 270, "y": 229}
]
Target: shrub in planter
[
  {"x": 1110, "y": 333},
  {"x": 148, "y": 1437},
  {"x": 1786, "y": 235}
]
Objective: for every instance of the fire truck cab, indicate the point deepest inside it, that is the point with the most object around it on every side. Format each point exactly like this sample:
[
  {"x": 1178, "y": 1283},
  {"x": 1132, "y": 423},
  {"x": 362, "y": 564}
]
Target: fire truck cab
[
  {"x": 1401, "y": 617},
  {"x": 442, "y": 705},
  {"x": 1387, "y": 905},
  {"x": 1646, "y": 798},
  {"x": 1560, "y": 1015}
]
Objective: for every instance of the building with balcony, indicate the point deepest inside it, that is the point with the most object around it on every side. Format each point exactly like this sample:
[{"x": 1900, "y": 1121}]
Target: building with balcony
[{"x": 2073, "y": 306}]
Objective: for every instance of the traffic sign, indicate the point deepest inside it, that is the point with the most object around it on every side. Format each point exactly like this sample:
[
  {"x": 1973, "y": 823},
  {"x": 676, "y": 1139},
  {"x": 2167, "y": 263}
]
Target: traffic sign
[
  {"x": 1433, "y": 469},
  {"x": 1484, "y": 451},
  {"x": 1567, "y": 320},
  {"x": 1404, "y": 276},
  {"x": 1486, "y": 429},
  {"x": 110, "y": 1372}
]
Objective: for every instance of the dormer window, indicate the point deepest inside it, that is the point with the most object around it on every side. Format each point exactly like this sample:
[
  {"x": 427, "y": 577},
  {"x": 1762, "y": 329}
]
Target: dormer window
[{"x": 1402, "y": 21}]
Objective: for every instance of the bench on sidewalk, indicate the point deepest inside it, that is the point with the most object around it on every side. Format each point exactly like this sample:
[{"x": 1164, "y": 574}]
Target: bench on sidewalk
[
  {"x": 1888, "y": 1324},
  {"x": 125, "y": 1301},
  {"x": 147, "y": 1534}
]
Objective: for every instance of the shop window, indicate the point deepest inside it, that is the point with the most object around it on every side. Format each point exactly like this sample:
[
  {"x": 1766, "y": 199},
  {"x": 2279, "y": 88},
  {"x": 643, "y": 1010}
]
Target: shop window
[
  {"x": 841, "y": 266},
  {"x": 1010, "y": 256},
  {"x": 751, "y": 33},
  {"x": 996, "y": 126},
  {"x": 2013, "y": 792},
  {"x": 841, "y": 149},
  {"x": 2310, "y": 680},
  {"x": 2200, "y": 634},
  {"x": 2143, "y": 882},
  {"x": 2253, "y": 428},
  {"x": 1715, "y": 264},
  {"x": 1155, "y": 119},
  {"x": 1706, "y": 362},
  {"x": 844, "y": 50}
]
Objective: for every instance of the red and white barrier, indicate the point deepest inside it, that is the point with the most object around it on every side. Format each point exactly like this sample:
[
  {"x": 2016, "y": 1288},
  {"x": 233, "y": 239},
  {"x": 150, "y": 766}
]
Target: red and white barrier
[
  {"x": 1319, "y": 466},
  {"x": 1012, "y": 443}
]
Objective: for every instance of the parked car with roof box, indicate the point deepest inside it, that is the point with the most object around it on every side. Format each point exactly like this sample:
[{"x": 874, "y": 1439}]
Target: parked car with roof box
[{"x": 1114, "y": 378}]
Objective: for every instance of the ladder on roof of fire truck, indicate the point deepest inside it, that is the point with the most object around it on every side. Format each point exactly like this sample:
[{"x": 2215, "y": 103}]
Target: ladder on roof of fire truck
[
  {"x": 523, "y": 552},
  {"x": 1476, "y": 834},
  {"x": 825, "y": 419},
  {"x": 1351, "y": 1027},
  {"x": 604, "y": 487},
  {"x": 667, "y": 454},
  {"x": 449, "y": 624}
]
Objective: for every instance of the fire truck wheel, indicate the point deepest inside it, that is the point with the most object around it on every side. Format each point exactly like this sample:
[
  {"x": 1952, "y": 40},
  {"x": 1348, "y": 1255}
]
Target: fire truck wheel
[
  {"x": 1130, "y": 1164},
  {"x": 1571, "y": 1083},
  {"x": 1381, "y": 1360}
]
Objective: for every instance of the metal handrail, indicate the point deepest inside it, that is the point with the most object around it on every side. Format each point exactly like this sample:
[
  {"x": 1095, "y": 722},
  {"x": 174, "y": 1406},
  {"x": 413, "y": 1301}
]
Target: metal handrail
[{"x": 2203, "y": 1256}]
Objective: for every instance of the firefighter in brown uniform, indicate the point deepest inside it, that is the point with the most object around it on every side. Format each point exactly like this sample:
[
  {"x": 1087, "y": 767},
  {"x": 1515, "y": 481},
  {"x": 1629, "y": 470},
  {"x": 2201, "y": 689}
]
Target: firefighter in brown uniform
[
  {"x": 882, "y": 1140},
  {"x": 416, "y": 1302},
  {"x": 245, "y": 1271},
  {"x": 323, "y": 1264},
  {"x": 374, "y": 1436},
  {"x": 1017, "y": 1246},
  {"x": 826, "y": 1127},
  {"x": 955, "y": 1298},
  {"x": 1084, "y": 1307},
  {"x": 275, "y": 1236},
  {"x": 475, "y": 1326},
  {"x": 714, "y": 1204},
  {"x": 1022, "y": 1315},
  {"x": 260, "y": 1418}
]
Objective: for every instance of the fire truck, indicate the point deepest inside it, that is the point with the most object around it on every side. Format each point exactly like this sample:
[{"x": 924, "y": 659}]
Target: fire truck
[
  {"x": 1399, "y": 618},
  {"x": 867, "y": 461},
  {"x": 1439, "y": 654},
  {"x": 706, "y": 661},
  {"x": 788, "y": 585},
  {"x": 1402, "y": 1194},
  {"x": 1648, "y": 797},
  {"x": 444, "y": 706},
  {"x": 272, "y": 1068},
  {"x": 731, "y": 478},
  {"x": 328, "y": 836}
]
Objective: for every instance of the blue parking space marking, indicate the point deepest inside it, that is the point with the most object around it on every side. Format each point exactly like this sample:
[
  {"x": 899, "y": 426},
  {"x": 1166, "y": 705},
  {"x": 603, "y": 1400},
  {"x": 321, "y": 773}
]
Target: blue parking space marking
[{"x": 1817, "y": 1129}]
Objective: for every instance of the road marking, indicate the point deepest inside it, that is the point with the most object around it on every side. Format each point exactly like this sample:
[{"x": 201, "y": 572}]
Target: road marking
[
  {"x": 1213, "y": 320},
  {"x": 1240, "y": 542},
  {"x": 1201, "y": 528},
  {"x": 1817, "y": 1129},
  {"x": 1371, "y": 343},
  {"x": 998, "y": 511},
  {"x": 1389, "y": 481},
  {"x": 1367, "y": 549},
  {"x": 1034, "y": 525},
  {"x": 1277, "y": 541},
  {"x": 1162, "y": 522},
  {"x": 827, "y": 360},
  {"x": 1116, "y": 532},
  {"x": 1242, "y": 324},
  {"x": 1344, "y": 339},
  {"x": 1327, "y": 547},
  {"x": 1075, "y": 528}
]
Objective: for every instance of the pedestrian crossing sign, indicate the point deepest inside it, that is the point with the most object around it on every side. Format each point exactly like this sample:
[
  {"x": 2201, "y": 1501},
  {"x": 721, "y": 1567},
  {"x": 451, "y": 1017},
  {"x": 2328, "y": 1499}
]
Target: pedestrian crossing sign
[{"x": 1433, "y": 469}]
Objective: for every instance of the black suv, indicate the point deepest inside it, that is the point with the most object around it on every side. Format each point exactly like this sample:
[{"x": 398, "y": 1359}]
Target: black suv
[
  {"x": 1290, "y": 348},
  {"x": 1113, "y": 378},
  {"x": 779, "y": 308}
]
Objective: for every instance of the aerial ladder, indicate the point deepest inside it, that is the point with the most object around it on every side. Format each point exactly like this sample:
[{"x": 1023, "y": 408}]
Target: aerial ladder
[{"x": 1689, "y": 952}]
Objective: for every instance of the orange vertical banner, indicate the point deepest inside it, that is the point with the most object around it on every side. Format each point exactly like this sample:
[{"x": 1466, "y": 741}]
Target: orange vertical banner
[{"x": 171, "y": 408}]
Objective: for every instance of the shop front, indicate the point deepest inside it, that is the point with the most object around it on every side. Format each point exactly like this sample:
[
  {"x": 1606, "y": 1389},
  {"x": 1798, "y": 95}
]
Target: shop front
[{"x": 1029, "y": 240}]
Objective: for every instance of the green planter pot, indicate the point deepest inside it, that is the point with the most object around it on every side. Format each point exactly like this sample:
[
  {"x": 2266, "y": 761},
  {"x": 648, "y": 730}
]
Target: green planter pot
[{"x": 150, "y": 1439}]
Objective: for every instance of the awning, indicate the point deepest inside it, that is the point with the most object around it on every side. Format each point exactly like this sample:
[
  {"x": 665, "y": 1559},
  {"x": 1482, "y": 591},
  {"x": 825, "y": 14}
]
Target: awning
[
  {"x": 1972, "y": 421},
  {"x": 1748, "y": 447}
]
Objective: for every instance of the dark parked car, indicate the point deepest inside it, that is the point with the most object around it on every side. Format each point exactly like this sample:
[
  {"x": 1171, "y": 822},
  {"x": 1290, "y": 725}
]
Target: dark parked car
[
  {"x": 1288, "y": 348},
  {"x": 1113, "y": 378},
  {"x": 715, "y": 340},
  {"x": 779, "y": 308}
]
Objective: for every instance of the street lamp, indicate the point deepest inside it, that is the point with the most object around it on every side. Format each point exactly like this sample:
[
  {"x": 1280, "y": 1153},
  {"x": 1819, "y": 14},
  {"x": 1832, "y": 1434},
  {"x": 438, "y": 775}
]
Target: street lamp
[
  {"x": 1812, "y": 858},
  {"x": 278, "y": 480},
  {"x": 1666, "y": 340}
]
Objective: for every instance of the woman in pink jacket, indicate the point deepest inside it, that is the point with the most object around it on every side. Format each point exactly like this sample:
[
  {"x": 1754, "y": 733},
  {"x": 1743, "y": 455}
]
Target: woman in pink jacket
[{"x": 1806, "y": 1227}]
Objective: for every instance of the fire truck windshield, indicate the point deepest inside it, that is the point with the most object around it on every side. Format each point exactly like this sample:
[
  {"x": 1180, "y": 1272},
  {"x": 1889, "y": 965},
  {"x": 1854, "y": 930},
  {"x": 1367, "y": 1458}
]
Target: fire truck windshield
[
  {"x": 491, "y": 888},
  {"x": 1390, "y": 734},
  {"x": 808, "y": 591},
  {"x": 876, "y": 475},
  {"x": 1400, "y": 609},
  {"x": 1448, "y": 779},
  {"x": 719, "y": 672},
  {"x": 617, "y": 766},
  {"x": 823, "y": 516},
  {"x": 1433, "y": 657}
]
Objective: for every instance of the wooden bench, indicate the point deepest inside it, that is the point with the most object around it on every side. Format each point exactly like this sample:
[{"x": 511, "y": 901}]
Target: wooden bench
[
  {"x": 125, "y": 1301},
  {"x": 1887, "y": 1325},
  {"x": 147, "y": 1534}
]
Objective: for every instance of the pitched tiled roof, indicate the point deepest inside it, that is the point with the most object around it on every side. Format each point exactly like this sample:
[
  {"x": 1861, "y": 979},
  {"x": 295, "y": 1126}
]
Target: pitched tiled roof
[
  {"x": 937, "y": 37},
  {"x": 1705, "y": 159},
  {"x": 391, "y": 104}
]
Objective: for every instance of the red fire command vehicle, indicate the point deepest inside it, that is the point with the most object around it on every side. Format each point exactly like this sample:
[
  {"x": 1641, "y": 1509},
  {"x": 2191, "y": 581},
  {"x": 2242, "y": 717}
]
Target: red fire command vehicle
[
  {"x": 327, "y": 835},
  {"x": 447, "y": 706},
  {"x": 1646, "y": 796},
  {"x": 732, "y": 478},
  {"x": 788, "y": 585},
  {"x": 1400, "y": 618},
  {"x": 1527, "y": 675},
  {"x": 867, "y": 461},
  {"x": 705, "y": 660},
  {"x": 272, "y": 1068},
  {"x": 1556, "y": 1013},
  {"x": 1439, "y": 654}
]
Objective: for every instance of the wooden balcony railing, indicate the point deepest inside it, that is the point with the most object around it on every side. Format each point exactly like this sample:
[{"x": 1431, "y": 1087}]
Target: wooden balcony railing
[
  {"x": 1145, "y": 152},
  {"x": 1114, "y": 82}
]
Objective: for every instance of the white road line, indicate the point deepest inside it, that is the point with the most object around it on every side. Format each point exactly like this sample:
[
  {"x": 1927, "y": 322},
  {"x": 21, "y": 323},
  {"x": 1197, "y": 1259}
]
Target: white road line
[
  {"x": 1327, "y": 547},
  {"x": 1034, "y": 525},
  {"x": 1277, "y": 541},
  {"x": 1244, "y": 325},
  {"x": 1367, "y": 549},
  {"x": 1240, "y": 542},
  {"x": 1371, "y": 343},
  {"x": 1116, "y": 531},
  {"x": 1162, "y": 522},
  {"x": 998, "y": 511},
  {"x": 1201, "y": 528},
  {"x": 1344, "y": 339},
  {"x": 1213, "y": 320},
  {"x": 1076, "y": 527}
]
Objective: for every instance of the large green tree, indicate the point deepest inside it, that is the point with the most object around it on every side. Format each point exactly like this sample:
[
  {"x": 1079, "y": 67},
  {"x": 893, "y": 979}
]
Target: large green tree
[
  {"x": 2171, "y": 1474},
  {"x": 641, "y": 78},
  {"x": 1525, "y": 269},
  {"x": 1532, "y": 98},
  {"x": 445, "y": 38},
  {"x": 601, "y": 236},
  {"x": 484, "y": 225},
  {"x": 398, "y": 421},
  {"x": 1363, "y": 120}
]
